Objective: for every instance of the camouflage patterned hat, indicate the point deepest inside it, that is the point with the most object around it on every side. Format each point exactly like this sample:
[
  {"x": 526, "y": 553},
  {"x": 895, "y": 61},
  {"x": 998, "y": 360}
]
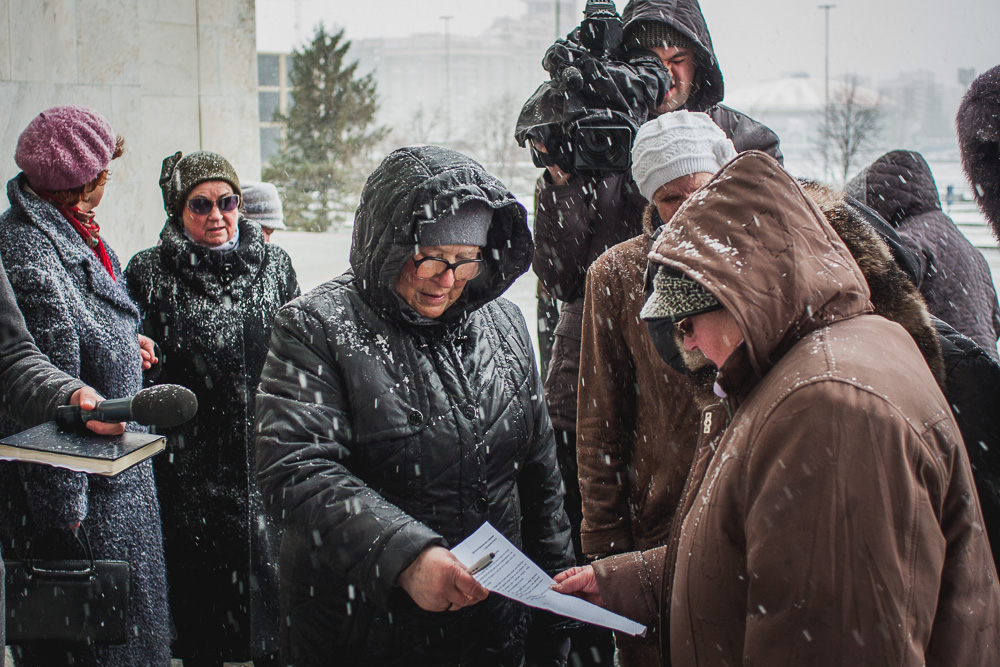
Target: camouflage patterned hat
[
  {"x": 182, "y": 173},
  {"x": 675, "y": 297}
]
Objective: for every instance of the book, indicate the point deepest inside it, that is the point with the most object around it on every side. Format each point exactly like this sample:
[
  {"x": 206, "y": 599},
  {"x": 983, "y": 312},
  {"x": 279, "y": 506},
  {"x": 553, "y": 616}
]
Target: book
[{"x": 84, "y": 452}]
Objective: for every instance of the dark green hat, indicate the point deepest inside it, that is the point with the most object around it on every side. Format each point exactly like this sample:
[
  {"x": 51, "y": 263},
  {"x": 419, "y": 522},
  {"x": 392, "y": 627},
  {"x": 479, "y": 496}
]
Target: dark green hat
[
  {"x": 675, "y": 297},
  {"x": 182, "y": 173}
]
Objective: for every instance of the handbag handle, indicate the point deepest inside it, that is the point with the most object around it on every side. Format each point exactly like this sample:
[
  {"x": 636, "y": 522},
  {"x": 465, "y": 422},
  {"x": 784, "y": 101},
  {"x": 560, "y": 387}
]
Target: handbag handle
[{"x": 87, "y": 573}]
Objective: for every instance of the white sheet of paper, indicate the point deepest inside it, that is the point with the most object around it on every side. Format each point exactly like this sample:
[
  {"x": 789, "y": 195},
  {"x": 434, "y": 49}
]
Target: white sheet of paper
[{"x": 513, "y": 575}]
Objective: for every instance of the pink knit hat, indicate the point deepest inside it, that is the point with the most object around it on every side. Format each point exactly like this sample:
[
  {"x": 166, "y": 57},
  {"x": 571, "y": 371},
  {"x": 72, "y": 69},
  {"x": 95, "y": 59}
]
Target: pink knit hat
[{"x": 65, "y": 147}]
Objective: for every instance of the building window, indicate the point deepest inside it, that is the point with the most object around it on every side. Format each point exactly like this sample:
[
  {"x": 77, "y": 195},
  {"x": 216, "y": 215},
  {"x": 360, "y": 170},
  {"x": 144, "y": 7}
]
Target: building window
[
  {"x": 268, "y": 70},
  {"x": 268, "y": 104}
]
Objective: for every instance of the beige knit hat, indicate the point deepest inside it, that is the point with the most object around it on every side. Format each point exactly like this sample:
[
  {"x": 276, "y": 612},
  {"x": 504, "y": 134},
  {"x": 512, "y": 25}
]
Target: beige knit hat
[{"x": 676, "y": 144}]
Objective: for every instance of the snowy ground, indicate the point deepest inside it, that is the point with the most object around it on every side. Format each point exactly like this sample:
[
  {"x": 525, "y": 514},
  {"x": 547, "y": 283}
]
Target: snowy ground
[{"x": 320, "y": 257}]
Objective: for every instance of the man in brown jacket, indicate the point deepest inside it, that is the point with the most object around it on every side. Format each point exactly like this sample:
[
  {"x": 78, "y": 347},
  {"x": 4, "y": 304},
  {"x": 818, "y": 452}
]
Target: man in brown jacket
[{"x": 830, "y": 517}]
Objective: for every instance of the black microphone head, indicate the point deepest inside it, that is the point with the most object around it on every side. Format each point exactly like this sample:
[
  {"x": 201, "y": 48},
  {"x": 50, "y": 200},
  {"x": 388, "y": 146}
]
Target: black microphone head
[{"x": 164, "y": 405}]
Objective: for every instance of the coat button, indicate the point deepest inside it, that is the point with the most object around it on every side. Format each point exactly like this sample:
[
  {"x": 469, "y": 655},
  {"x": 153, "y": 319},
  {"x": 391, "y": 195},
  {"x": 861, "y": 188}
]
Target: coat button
[
  {"x": 470, "y": 412},
  {"x": 415, "y": 418},
  {"x": 481, "y": 505}
]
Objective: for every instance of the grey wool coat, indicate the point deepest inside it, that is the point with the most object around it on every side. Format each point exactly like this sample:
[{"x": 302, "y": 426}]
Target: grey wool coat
[
  {"x": 86, "y": 323},
  {"x": 211, "y": 315}
]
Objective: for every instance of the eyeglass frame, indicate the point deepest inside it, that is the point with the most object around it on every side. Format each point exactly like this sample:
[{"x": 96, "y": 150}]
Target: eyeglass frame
[
  {"x": 214, "y": 204},
  {"x": 685, "y": 326},
  {"x": 454, "y": 266}
]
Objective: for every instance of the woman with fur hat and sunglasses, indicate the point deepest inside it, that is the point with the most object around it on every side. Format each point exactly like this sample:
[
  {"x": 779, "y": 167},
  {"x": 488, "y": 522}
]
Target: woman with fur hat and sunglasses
[
  {"x": 208, "y": 294},
  {"x": 69, "y": 286}
]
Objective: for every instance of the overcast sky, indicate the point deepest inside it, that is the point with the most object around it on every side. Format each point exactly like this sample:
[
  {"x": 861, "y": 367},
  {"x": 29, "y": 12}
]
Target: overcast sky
[{"x": 754, "y": 39}]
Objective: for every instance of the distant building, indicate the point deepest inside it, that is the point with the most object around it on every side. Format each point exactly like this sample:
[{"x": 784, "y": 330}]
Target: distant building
[
  {"x": 917, "y": 114},
  {"x": 435, "y": 87}
]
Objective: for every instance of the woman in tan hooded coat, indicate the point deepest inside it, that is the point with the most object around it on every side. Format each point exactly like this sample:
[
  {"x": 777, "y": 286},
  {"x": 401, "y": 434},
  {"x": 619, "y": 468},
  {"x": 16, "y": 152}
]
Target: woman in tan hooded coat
[{"x": 827, "y": 518}]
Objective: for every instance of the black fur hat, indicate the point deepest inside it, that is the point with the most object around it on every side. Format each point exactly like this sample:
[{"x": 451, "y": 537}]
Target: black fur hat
[{"x": 979, "y": 138}]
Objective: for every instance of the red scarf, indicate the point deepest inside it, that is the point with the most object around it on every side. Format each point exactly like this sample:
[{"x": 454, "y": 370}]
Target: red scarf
[{"x": 90, "y": 231}]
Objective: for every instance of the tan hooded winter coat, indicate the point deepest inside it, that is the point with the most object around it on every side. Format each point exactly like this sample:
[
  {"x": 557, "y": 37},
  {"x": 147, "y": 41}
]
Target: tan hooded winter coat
[{"x": 832, "y": 519}]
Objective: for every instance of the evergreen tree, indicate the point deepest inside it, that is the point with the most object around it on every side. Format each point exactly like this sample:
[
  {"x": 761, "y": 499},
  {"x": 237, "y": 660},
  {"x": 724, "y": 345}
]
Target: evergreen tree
[{"x": 329, "y": 133}]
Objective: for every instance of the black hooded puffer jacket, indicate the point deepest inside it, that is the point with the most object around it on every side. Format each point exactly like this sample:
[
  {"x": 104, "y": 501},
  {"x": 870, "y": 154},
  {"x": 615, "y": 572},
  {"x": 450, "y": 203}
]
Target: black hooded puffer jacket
[
  {"x": 383, "y": 433},
  {"x": 955, "y": 277}
]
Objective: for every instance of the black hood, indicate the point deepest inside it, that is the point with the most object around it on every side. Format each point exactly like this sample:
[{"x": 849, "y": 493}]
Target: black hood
[
  {"x": 415, "y": 186},
  {"x": 979, "y": 137},
  {"x": 684, "y": 16},
  {"x": 898, "y": 185}
]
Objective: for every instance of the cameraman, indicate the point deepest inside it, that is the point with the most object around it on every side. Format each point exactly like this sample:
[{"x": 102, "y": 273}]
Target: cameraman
[{"x": 578, "y": 217}]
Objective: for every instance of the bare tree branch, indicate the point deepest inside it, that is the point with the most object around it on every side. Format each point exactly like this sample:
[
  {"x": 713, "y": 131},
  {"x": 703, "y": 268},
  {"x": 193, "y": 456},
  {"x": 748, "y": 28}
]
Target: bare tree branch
[{"x": 850, "y": 127}]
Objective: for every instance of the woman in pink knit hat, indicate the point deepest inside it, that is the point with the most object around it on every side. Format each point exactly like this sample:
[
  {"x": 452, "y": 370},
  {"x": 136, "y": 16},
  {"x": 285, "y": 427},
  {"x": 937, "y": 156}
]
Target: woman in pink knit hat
[{"x": 69, "y": 286}]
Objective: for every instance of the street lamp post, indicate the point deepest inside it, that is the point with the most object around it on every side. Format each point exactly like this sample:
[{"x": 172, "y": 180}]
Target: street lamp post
[
  {"x": 447, "y": 76},
  {"x": 826, "y": 96}
]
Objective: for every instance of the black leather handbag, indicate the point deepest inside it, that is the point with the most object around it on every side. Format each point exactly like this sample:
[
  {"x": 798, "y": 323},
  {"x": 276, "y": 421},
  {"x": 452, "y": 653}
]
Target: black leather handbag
[{"x": 78, "y": 601}]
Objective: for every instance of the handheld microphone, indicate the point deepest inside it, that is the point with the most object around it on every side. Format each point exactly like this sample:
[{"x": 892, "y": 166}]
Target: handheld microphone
[{"x": 162, "y": 405}]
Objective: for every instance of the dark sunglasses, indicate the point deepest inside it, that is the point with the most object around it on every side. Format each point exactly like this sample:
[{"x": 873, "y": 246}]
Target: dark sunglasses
[
  {"x": 203, "y": 205},
  {"x": 686, "y": 327},
  {"x": 432, "y": 267}
]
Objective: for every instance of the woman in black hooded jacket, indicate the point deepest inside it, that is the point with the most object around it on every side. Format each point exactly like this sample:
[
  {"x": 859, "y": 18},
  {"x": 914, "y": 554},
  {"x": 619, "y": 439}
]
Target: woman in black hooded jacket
[{"x": 393, "y": 423}]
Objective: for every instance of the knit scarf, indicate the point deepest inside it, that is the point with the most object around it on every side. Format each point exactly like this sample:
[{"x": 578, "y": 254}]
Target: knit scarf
[{"x": 83, "y": 222}]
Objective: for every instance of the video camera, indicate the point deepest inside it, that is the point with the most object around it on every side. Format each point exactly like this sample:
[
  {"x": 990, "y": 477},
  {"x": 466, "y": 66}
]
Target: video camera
[{"x": 587, "y": 114}]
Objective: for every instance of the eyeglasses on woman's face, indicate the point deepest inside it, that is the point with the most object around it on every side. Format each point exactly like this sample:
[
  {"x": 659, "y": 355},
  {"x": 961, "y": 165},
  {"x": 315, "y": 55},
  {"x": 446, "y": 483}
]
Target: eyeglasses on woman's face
[
  {"x": 686, "y": 327},
  {"x": 432, "y": 267},
  {"x": 204, "y": 205}
]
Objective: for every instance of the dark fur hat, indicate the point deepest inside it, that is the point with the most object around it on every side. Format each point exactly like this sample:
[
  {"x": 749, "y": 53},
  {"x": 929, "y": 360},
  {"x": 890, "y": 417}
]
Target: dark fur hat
[{"x": 979, "y": 138}]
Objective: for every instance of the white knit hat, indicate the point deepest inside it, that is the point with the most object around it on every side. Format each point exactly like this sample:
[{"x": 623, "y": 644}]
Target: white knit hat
[{"x": 676, "y": 144}]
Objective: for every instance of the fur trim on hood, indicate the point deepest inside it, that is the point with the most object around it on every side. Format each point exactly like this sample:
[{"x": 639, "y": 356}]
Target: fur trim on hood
[
  {"x": 978, "y": 124},
  {"x": 893, "y": 294}
]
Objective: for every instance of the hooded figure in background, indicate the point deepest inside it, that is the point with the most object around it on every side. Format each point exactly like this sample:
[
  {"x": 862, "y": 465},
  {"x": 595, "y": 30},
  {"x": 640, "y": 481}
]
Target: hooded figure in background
[
  {"x": 978, "y": 124},
  {"x": 399, "y": 409},
  {"x": 954, "y": 276},
  {"x": 208, "y": 294}
]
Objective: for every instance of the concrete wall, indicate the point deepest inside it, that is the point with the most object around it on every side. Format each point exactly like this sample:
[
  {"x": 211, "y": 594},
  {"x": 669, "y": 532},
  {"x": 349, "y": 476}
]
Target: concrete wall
[{"x": 169, "y": 76}]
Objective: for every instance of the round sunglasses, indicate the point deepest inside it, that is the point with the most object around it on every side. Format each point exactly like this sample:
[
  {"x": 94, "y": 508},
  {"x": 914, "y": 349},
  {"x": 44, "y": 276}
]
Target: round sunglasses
[{"x": 204, "y": 205}]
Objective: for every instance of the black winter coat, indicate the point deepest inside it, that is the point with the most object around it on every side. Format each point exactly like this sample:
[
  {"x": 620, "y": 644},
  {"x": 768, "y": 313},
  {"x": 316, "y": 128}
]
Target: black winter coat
[
  {"x": 84, "y": 320},
  {"x": 955, "y": 277},
  {"x": 211, "y": 315},
  {"x": 383, "y": 433},
  {"x": 973, "y": 390}
]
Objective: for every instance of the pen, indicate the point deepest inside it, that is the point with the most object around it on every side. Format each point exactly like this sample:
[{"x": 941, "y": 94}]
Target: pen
[{"x": 481, "y": 564}]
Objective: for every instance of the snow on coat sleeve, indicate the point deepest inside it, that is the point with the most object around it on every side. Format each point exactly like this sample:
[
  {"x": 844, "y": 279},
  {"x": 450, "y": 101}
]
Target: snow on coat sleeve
[
  {"x": 603, "y": 416},
  {"x": 843, "y": 527},
  {"x": 303, "y": 449},
  {"x": 31, "y": 388},
  {"x": 544, "y": 523},
  {"x": 57, "y": 497},
  {"x": 562, "y": 237}
]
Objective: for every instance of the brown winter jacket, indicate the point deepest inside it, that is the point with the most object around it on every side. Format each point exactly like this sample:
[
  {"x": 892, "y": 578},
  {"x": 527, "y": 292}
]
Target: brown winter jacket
[
  {"x": 828, "y": 522},
  {"x": 637, "y": 423},
  {"x": 637, "y": 418}
]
